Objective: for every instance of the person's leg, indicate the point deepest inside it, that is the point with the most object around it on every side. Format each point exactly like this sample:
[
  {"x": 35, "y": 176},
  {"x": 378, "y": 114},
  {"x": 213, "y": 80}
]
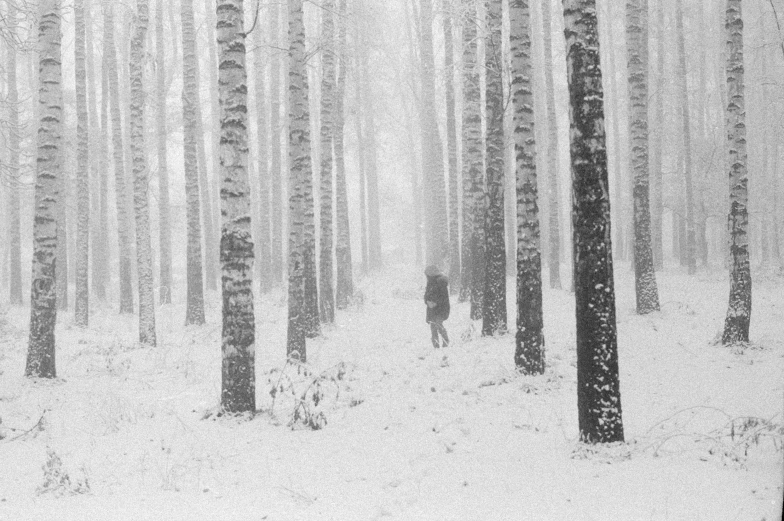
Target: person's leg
[
  {"x": 434, "y": 334},
  {"x": 444, "y": 335}
]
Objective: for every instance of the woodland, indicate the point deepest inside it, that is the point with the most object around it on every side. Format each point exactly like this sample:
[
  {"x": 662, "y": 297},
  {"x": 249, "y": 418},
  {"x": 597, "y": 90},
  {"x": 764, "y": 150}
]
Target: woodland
[{"x": 217, "y": 217}]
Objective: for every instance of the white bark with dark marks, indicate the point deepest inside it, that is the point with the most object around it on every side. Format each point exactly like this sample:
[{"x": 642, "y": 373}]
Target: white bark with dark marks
[
  {"x": 738, "y": 321},
  {"x": 238, "y": 391},
  {"x": 43, "y": 296},
  {"x": 598, "y": 387}
]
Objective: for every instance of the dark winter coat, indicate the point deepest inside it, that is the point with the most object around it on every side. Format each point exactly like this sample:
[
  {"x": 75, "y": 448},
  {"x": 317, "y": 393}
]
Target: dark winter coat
[{"x": 437, "y": 291}]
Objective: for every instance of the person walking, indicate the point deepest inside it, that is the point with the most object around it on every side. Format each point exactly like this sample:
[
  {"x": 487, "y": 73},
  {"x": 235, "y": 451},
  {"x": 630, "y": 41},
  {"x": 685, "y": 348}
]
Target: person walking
[{"x": 437, "y": 301}]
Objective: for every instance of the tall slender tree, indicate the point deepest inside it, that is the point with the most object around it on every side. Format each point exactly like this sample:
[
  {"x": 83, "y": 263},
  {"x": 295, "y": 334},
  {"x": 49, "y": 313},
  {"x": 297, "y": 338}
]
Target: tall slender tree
[
  {"x": 82, "y": 295},
  {"x": 123, "y": 211},
  {"x": 738, "y": 321},
  {"x": 494, "y": 306},
  {"x": 326, "y": 295},
  {"x": 554, "y": 222},
  {"x": 474, "y": 205},
  {"x": 344, "y": 287},
  {"x": 436, "y": 225},
  {"x": 14, "y": 222},
  {"x": 451, "y": 146},
  {"x": 362, "y": 156},
  {"x": 529, "y": 340},
  {"x": 141, "y": 179},
  {"x": 164, "y": 213},
  {"x": 276, "y": 173},
  {"x": 43, "y": 297},
  {"x": 194, "y": 307},
  {"x": 301, "y": 168},
  {"x": 637, "y": 51},
  {"x": 263, "y": 237},
  {"x": 99, "y": 130},
  {"x": 369, "y": 112},
  {"x": 238, "y": 391},
  {"x": 598, "y": 390},
  {"x": 657, "y": 155},
  {"x": 683, "y": 87},
  {"x": 208, "y": 216}
]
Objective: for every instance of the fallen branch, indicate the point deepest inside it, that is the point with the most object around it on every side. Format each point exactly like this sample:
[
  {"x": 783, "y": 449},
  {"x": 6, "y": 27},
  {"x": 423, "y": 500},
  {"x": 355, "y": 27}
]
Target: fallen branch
[{"x": 38, "y": 425}]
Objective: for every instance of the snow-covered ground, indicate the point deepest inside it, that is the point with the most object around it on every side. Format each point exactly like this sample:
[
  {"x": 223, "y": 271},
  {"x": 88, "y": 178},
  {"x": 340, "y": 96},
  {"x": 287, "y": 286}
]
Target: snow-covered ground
[{"x": 411, "y": 432}]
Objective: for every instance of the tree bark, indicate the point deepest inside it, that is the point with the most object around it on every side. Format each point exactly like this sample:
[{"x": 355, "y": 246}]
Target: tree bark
[
  {"x": 194, "y": 308},
  {"x": 598, "y": 389},
  {"x": 141, "y": 179},
  {"x": 657, "y": 163},
  {"x": 14, "y": 142},
  {"x": 301, "y": 168},
  {"x": 164, "y": 214},
  {"x": 238, "y": 390},
  {"x": 554, "y": 222},
  {"x": 738, "y": 321},
  {"x": 451, "y": 146},
  {"x": 326, "y": 295},
  {"x": 474, "y": 205},
  {"x": 494, "y": 307},
  {"x": 263, "y": 238},
  {"x": 436, "y": 226},
  {"x": 123, "y": 211},
  {"x": 208, "y": 216},
  {"x": 375, "y": 260},
  {"x": 82, "y": 295},
  {"x": 43, "y": 296},
  {"x": 529, "y": 340},
  {"x": 276, "y": 174},
  {"x": 344, "y": 288},
  {"x": 646, "y": 290},
  {"x": 691, "y": 235}
]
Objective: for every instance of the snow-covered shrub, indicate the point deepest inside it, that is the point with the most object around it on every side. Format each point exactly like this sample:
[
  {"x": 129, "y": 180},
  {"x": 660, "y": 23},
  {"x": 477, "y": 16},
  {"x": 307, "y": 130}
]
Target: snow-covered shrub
[
  {"x": 57, "y": 479},
  {"x": 304, "y": 395}
]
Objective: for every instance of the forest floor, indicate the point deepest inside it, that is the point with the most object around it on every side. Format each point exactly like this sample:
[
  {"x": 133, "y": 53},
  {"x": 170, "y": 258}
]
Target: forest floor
[{"x": 405, "y": 431}]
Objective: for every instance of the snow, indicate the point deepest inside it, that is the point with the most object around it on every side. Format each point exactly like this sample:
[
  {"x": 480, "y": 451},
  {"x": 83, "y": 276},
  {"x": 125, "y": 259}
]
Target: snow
[{"x": 412, "y": 432}]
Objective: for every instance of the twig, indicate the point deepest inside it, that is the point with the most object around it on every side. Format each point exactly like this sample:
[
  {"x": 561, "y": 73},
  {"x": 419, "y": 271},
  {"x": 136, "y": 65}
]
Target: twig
[{"x": 31, "y": 429}]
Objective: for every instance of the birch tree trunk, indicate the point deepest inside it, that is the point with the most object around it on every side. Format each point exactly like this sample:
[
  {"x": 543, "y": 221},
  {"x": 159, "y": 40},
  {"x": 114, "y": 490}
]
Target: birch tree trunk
[
  {"x": 194, "y": 307},
  {"x": 276, "y": 173},
  {"x": 164, "y": 214},
  {"x": 99, "y": 129},
  {"x": 344, "y": 288},
  {"x": 436, "y": 225},
  {"x": 312, "y": 322},
  {"x": 82, "y": 295},
  {"x": 657, "y": 163},
  {"x": 554, "y": 222},
  {"x": 647, "y": 292},
  {"x": 375, "y": 260},
  {"x": 737, "y": 323},
  {"x": 43, "y": 296},
  {"x": 683, "y": 84},
  {"x": 301, "y": 168},
  {"x": 359, "y": 125},
  {"x": 474, "y": 205},
  {"x": 598, "y": 390},
  {"x": 451, "y": 145},
  {"x": 529, "y": 340},
  {"x": 238, "y": 391},
  {"x": 264, "y": 240},
  {"x": 14, "y": 220},
  {"x": 494, "y": 307},
  {"x": 121, "y": 198},
  {"x": 141, "y": 179},
  {"x": 61, "y": 277},
  {"x": 208, "y": 217},
  {"x": 326, "y": 295}
]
